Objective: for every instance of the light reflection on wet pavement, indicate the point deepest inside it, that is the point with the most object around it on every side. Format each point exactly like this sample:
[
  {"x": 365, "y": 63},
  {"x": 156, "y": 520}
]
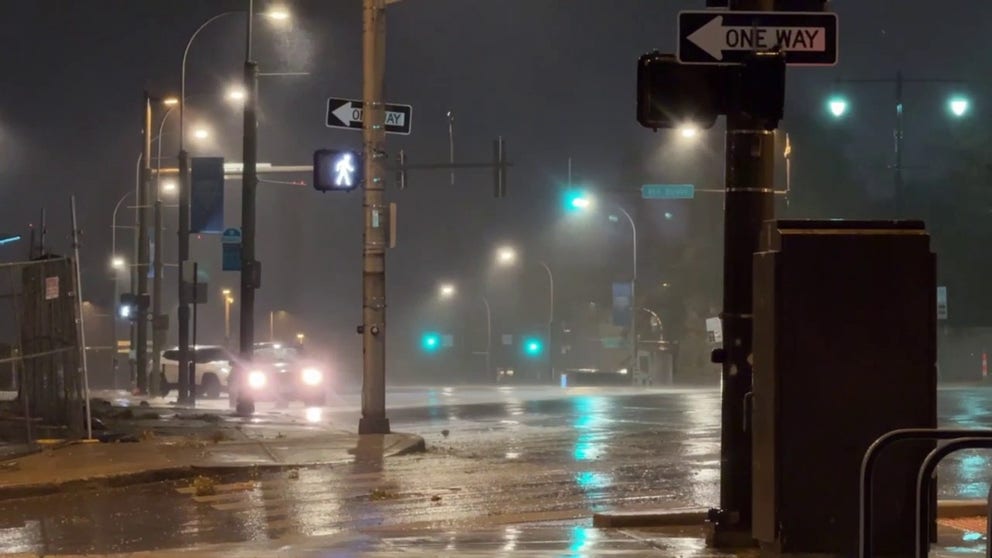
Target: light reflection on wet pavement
[{"x": 489, "y": 466}]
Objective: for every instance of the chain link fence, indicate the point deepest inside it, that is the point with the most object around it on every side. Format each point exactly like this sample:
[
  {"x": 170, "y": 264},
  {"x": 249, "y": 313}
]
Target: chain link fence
[{"x": 39, "y": 352}]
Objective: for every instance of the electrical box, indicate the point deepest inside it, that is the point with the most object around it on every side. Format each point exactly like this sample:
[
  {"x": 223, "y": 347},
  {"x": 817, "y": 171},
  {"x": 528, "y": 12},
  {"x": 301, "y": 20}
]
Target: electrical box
[{"x": 844, "y": 351}]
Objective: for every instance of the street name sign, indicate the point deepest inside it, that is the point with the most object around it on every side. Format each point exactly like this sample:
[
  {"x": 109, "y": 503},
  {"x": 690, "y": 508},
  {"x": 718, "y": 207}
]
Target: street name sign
[
  {"x": 230, "y": 241},
  {"x": 231, "y": 236},
  {"x": 348, "y": 114},
  {"x": 668, "y": 191},
  {"x": 726, "y": 37}
]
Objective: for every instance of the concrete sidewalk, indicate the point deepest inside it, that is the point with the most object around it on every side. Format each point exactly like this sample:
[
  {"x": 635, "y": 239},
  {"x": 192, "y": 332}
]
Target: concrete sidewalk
[{"x": 87, "y": 465}]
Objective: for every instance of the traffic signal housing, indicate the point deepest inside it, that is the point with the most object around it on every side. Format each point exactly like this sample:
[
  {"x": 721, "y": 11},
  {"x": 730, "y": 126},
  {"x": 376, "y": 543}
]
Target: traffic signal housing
[
  {"x": 132, "y": 306},
  {"x": 337, "y": 170},
  {"x": 673, "y": 95}
]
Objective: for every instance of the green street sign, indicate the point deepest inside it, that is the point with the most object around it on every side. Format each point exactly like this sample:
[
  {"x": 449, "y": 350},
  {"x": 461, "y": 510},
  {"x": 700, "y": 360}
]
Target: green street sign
[{"x": 668, "y": 191}]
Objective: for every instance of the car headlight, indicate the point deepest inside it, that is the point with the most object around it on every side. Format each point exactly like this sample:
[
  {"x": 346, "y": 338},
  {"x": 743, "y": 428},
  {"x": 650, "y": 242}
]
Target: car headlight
[
  {"x": 312, "y": 376},
  {"x": 256, "y": 379}
]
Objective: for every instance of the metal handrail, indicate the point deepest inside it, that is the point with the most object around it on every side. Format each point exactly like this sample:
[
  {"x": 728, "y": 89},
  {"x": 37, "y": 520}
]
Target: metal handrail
[
  {"x": 924, "y": 484},
  {"x": 868, "y": 469}
]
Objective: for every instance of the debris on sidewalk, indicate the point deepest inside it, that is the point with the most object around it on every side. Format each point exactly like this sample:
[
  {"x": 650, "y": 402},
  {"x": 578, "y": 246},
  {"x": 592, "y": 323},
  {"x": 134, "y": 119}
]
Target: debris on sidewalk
[{"x": 204, "y": 486}]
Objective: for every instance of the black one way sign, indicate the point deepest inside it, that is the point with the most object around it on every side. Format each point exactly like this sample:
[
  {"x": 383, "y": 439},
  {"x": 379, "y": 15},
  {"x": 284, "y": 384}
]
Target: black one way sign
[
  {"x": 724, "y": 37},
  {"x": 348, "y": 113}
]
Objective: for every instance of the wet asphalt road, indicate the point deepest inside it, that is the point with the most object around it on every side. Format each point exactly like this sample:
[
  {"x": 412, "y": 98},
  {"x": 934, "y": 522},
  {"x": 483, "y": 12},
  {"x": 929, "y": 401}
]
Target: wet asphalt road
[{"x": 496, "y": 457}]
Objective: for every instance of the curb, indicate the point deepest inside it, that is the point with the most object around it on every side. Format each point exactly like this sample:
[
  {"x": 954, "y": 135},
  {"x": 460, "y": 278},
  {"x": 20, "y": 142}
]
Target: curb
[
  {"x": 689, "y": 517},
  {"x": 650, "y": 518},
  {"x": 414, "y": 444},
  {"x": 955, "y": 509}
]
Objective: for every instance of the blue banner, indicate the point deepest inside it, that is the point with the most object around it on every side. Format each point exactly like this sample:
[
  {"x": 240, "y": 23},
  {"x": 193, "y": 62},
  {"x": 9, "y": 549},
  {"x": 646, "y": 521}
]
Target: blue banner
[
  {"x": 206, "y": 195},
  {"x": 623, "y": 292}
]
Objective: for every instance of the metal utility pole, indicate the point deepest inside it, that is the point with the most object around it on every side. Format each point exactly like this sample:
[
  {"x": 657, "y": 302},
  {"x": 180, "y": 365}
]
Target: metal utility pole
[
  {"x": 141, "y": 266},
  {"x": 250, "y": 269},
  {"x": 750, "y": 201},
  {"x": 373, "y": 327},
  {"x": 897, "y": 133},
  {"x": 900, "y": 202},
  {"x": 184, "y": 187},
  {"x": 80, "y": 324},
  {"x": 633, "y": 293},
  {"x": 158, "y": 321}
]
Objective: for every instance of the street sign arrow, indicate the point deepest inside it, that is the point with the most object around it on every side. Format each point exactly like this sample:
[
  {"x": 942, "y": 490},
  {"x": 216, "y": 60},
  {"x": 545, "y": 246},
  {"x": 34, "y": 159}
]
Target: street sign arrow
[
  {"x": 349, "y": 113},
  {"x": 726, "y": 37}
]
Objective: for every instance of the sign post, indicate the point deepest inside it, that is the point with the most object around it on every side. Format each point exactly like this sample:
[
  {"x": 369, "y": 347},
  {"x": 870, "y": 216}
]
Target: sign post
[
  {"x": 349, "y": 114},
  {"x": 730, "y": 37}
]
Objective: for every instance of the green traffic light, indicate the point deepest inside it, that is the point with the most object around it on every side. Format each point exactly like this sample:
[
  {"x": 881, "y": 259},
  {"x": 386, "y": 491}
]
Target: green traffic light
[
  {"x": 577, "y": 200},
  {"x": 430, "y": 342},
  {"x": 533, "y": 347}
]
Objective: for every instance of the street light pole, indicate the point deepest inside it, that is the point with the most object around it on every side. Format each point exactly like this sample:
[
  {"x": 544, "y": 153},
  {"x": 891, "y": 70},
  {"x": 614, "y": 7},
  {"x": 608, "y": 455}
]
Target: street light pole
[
  {"x": 551, "y": 318},
  {"x": 489, "y": 336},
  {"x": 900, "y": 201},
  {"x": 227, "y": 317},
  {"x": 373, "y": 327},
  {"x": 633, "y": 294},
  {"x": 159, "y": 323},
  {"x": 250, "y": 269},
  {"x": 184, "y": 195},
  {"x": 141, "y": 265},
  {"x": 897, "y": 164}
]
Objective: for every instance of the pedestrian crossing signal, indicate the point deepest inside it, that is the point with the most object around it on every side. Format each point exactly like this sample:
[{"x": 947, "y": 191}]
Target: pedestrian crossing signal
[{"x": 337, "y": 170}]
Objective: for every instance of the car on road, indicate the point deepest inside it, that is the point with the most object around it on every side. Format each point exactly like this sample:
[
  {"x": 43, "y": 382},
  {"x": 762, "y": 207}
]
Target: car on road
[
  {"x": 213, "y": 368},
  {"x": 284, "y": 373}
]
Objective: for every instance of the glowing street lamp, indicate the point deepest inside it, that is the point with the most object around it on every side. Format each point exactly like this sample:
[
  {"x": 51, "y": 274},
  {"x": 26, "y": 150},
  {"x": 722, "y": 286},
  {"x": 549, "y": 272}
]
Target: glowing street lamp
[
  {"x": 506, "y": 255},
  {"x": 236, "y": 94},
  {"x": 201, "y": 134},
  {"x": 278, "y": 13},
  {"x": 446, "y": 290},
  {"x": 958, "y": 106},
  {"x": 689, "y": 131},
  {"x": 837, "y": 106},
  {"x": 118, "y": 262},
  {"x": 169, "y": 186}
]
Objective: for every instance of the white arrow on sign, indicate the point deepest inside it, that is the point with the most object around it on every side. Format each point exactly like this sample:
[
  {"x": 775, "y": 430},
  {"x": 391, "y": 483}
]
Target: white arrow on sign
[
  {"x": 348, "y": 113},
  {"x": 715, "y": 38}
]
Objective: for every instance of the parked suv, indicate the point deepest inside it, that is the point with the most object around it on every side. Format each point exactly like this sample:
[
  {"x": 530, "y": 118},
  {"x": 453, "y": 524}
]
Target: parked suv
[{"x": 213, "y": 366}]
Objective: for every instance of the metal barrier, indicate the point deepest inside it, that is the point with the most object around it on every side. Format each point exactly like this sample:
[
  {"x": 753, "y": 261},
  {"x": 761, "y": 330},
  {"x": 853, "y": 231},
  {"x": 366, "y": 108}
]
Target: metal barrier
[
  {"x": 38, "y": 331},
  {"x": 924, "y": 481},
  {"x": 868, "y": 473}
]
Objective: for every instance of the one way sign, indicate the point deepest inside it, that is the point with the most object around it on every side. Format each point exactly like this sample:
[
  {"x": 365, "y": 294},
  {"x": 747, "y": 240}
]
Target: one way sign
[
  {"x": 348, "y": 113},
  {"x": 725, "y": 37}
]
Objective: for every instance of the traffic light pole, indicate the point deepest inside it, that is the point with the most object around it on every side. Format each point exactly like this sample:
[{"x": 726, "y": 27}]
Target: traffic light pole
[
  {"x": 375, "y": 212},
  {"x": 250, "y": 269},
  {"x": 141, "y": 266},
  {"x": 750, "y": 195}
]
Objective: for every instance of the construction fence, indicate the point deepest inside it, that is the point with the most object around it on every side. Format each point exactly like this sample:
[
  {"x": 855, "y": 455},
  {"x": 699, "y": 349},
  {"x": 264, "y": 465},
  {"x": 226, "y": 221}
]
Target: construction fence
[{"x": 40, "y": 372}]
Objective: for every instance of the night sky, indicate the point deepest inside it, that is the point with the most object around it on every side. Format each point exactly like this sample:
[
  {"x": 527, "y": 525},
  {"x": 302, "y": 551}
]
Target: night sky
[{"x": 555, "y": 79}]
